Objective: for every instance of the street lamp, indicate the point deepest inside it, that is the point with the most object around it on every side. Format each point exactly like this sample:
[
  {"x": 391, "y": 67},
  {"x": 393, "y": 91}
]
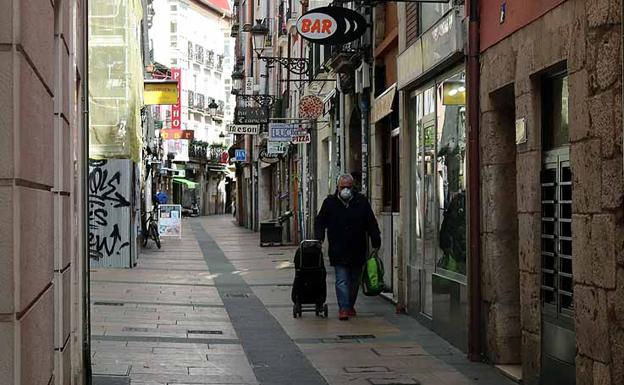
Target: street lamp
[
  {"x": 237, "y": 81},
  {"x": 260, "y": 33},
  {"x": 213, "y": 107}
]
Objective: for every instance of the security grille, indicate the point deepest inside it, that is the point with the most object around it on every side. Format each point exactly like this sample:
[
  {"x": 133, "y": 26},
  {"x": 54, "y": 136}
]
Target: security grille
[{"x": 557, "y": 285}]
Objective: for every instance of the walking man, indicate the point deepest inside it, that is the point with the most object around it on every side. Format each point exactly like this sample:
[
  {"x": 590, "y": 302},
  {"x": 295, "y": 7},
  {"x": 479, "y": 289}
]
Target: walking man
[{"x": 349, "y": 220}]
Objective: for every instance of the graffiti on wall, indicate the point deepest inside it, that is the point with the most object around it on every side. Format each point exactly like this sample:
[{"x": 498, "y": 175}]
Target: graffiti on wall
[{"x": 105, "y": 197}]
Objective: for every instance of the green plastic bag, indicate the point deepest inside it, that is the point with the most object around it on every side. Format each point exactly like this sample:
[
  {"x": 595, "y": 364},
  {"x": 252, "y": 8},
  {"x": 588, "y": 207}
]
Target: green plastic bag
[{"x": 372, "y": 276}]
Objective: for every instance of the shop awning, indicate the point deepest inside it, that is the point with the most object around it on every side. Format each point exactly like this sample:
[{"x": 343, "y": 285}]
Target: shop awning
[
  {"x": 186, "y": 182},
  {"x": 382, "y": 105}
]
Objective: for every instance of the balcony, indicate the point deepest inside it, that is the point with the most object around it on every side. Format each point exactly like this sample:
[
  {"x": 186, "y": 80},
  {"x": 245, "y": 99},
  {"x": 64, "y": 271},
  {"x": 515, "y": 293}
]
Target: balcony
[
  {"x": 210, "y": 62},
  {"x": 199, "y": 54},
  {"x": 219, "y": 63},
  {"x": 191, "y": 52}
]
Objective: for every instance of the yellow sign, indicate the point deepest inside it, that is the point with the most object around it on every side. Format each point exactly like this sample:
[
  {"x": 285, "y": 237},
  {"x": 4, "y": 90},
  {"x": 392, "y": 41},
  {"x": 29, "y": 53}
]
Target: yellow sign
[
  {"x": 454, "y": 93},
  {"x": 160, "y": 92}
]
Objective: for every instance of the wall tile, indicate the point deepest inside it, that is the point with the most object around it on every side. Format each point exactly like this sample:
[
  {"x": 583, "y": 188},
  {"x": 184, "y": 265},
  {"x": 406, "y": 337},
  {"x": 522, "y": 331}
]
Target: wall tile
[
  {"x": 37, "y": 36},
  {"x": 36, "y": 141},
  {"x": 37, "y": 242},
  {"x": 7, "y": 227},
  {"x": 37, "y": 341}
]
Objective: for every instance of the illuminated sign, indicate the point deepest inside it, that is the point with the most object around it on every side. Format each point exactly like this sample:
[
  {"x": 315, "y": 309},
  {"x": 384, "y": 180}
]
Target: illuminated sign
[
  {"x": 331, "y": 25},
  {"x": 177, "y": 134},
  {"x": 176, "y": 112},
  {"x": 158, "y": 92}
]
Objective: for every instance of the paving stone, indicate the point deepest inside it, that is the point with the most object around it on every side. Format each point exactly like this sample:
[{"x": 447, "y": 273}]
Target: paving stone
[{"x": 170, "y": 303}]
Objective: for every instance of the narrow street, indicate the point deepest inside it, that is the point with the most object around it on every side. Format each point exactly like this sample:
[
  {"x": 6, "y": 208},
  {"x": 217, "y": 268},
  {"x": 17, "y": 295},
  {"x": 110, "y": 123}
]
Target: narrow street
[{"x": 215, "y": 308}]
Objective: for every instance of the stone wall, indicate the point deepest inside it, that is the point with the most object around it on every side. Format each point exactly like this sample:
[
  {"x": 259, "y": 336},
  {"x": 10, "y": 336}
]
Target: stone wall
[
  {"x": 587, "y": 36},
  {"x": 40, "y": 272}
]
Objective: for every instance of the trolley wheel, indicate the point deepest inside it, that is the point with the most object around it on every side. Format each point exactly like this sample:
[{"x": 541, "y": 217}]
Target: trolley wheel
[
  {"x": 326, "y": 310},
  {"x": 294, "y": 311}
]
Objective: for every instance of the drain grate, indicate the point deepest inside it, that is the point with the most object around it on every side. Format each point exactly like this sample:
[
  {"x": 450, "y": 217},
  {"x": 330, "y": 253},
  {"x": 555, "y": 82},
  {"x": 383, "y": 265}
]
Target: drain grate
[
  {"x": 204, "y": 332},
  {"x": 280, "y": 260},
  {"x": 133, "y": 329},
  {"x": 366, "y": 369},
  {"x": 355, "y": 336},
  {"x": 237, "y": 295},
  {"x": 393, "y": 381},
  {"x": 108, "y": 303}
]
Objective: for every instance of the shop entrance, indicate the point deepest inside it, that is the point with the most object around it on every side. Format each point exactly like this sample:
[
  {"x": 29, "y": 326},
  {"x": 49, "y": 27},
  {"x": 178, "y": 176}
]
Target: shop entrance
[{"x": 437, "y": 117}]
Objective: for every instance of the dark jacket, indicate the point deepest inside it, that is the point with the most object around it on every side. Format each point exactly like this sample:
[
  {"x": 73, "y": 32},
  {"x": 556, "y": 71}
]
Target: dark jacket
[{"x": 347, "y": 229}]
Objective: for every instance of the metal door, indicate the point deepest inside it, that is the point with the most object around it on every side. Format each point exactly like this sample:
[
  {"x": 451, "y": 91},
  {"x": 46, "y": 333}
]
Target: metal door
[{"x": 557, "y": 295}]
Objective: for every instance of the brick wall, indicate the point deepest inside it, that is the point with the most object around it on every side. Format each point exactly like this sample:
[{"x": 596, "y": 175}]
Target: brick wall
[{"x": 587, "y": 36}]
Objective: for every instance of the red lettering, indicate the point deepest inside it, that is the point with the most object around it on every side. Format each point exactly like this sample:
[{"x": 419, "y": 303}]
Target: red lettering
[
  {"x": 305, "y": 25},
  {"x": 316, "y": 27},
  {"x": 327, "y": 24}
]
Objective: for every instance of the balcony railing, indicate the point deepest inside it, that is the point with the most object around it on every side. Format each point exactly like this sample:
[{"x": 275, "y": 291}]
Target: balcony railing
[{"x": 210, "y": 59}]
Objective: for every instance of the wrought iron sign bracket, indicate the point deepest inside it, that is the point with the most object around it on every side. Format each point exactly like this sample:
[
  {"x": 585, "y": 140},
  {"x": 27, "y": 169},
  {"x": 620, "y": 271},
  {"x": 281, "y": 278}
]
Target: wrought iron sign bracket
[
  {"x": 262, "y": 100},
  {"x": 297, "y": 66}
]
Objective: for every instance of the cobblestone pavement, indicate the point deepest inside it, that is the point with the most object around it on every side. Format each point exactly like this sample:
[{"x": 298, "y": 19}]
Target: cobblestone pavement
[{"x": 214, "y": 308}]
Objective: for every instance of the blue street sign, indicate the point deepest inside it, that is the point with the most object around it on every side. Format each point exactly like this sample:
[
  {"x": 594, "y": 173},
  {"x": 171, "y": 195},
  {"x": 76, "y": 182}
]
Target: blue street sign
[{"x": 240, "y": 156}]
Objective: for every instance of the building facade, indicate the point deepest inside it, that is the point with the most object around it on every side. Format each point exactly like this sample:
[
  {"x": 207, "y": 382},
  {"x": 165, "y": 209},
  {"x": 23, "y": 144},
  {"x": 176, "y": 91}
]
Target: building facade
[
  {"x": 43, "y": 246},
  {"x": 551, "y": 166},
  {"x": 433, "y": 183},
  {"x": 197, "y": 50}
]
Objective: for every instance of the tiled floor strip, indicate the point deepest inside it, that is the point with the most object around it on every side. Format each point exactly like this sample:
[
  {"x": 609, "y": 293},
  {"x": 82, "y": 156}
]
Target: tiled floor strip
[{"x": 275, "y": 358}]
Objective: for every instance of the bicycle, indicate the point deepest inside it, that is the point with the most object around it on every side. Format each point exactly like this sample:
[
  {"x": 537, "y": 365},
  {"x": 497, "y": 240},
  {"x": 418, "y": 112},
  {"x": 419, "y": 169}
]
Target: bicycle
[{"x": 151, "y": 230}]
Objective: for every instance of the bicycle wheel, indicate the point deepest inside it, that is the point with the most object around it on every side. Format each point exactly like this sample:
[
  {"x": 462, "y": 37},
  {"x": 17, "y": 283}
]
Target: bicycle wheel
[
  {"x": 155, "y": 235},
  {"x": 145, "y": 237}
]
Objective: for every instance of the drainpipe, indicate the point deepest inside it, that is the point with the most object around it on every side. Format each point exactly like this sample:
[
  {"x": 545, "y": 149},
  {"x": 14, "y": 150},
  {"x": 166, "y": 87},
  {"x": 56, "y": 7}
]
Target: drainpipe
[
  {"x": 86, "y": 281},
  {"x": 474, "y": 183}
]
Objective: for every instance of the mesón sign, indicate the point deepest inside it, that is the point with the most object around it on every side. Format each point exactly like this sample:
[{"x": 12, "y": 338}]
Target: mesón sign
[{"x": 331, "y": 25}]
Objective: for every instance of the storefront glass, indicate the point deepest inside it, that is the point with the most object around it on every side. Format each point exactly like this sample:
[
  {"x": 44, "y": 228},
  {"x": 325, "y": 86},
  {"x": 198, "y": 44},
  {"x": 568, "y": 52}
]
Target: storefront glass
[{"x": 439, "y": 228}]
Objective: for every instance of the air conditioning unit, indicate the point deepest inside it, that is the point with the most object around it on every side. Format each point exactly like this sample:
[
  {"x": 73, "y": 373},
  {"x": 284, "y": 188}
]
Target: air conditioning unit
[{"x": 362, "y": 78}]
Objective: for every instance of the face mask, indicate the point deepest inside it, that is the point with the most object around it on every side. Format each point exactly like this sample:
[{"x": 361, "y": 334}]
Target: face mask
[{"x": 345, "y": 193}]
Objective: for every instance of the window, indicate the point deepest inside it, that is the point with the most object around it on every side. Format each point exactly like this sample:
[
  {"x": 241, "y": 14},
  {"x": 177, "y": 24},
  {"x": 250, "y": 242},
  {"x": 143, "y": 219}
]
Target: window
[
  {"x": 555, "y": 111},
  {"x": 173, "y": 7},
  {"x": 174, "y": 27},
  {"x": 431, "y": 13},
  {"x": 174, "y": 62}
]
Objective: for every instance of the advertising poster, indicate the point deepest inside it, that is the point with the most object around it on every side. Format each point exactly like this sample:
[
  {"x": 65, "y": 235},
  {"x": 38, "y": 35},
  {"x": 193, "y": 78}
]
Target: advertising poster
[{"x": 170, "y": 221}]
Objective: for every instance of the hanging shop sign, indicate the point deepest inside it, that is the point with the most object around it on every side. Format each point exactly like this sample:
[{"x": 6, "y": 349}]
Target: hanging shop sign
[
  {"x": 331, "y": 25},
  {"x": 251, "y": 115},
  {"x": 283, "y": 131},
  {"x": 310, "y": 107},
  {"x": 176, "y": 109},
  {"x": 177, "y": 134},
  {"x": 240, "y": 156},
  {"x": 267, "y": 157},
  {"x": 159, "y": 92},
  {"x": 301, "y": 138},
  {"x": 276, "y": 147},
  {"x": 248, "y": 129},
  {"x": 249, "y": 85}
]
